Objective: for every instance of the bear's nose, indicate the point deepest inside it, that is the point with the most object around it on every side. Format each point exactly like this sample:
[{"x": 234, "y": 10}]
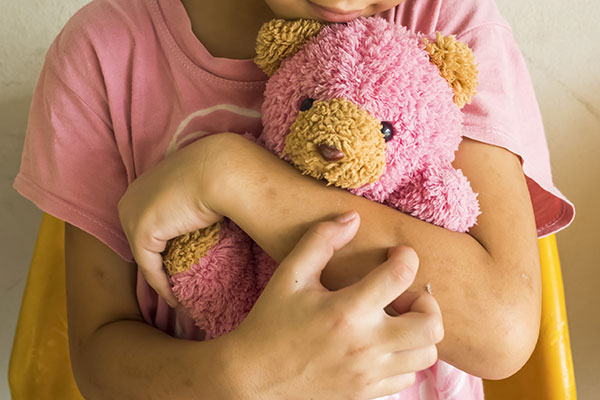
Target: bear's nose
[{"x": 329, "y": 153}]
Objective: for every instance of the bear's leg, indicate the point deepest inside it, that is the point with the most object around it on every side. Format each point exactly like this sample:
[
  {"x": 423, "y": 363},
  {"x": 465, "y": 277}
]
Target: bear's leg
[
  {"x": 440, "y": 195},
  {"x": 183, "y": 251},
  {"x": 213, "y": 276}
]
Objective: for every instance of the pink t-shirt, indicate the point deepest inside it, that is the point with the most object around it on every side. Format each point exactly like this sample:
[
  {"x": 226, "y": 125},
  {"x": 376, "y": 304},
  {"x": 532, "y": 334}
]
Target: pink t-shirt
[{"x": 126, "y": 83}]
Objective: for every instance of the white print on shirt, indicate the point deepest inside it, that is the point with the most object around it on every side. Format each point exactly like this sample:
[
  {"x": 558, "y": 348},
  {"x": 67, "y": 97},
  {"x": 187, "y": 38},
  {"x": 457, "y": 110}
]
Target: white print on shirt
[{"x": 175, "y": 141}]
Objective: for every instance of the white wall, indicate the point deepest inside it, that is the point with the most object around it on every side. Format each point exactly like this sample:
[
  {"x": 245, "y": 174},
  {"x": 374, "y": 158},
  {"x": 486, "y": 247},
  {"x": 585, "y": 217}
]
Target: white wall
[{"x": 560, "y": 42}]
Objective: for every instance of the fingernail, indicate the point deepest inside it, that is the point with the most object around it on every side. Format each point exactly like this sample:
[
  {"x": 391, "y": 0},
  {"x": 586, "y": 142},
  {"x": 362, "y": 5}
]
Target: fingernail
[
  {"x": 346, "y": 217},
  {"x": 172, "y": 304}
]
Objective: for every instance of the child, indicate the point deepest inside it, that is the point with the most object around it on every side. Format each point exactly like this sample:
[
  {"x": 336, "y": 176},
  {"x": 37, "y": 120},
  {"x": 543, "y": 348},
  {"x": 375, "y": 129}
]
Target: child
[{"x": 128, "y": 83}]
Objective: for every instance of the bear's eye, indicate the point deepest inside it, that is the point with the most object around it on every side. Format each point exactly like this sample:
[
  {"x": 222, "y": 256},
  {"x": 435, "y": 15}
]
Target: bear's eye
[
  {"x": 306, "y": 104},
  {"x": 388, "y": 131}
]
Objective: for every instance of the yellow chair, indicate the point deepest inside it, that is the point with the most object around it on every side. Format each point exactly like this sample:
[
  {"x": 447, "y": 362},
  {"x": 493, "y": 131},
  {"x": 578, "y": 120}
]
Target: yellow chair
[{"x": 40, "y": 366}]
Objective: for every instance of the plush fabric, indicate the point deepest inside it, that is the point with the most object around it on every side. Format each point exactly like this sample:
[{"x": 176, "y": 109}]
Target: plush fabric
[
  {"x": 218, "y": 289},
  {"x": 362, "y": 106}
]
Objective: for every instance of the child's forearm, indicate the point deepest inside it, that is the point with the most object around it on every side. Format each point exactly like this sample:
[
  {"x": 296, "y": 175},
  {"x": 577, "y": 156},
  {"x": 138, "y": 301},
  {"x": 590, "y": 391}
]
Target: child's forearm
[
  {"x": 130, "y": 359},
  {"x": 489, "y": 299}
]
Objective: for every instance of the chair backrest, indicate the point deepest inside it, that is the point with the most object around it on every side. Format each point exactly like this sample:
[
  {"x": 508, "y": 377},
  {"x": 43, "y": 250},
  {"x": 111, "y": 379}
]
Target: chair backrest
[{"x": 40, "y": 366}]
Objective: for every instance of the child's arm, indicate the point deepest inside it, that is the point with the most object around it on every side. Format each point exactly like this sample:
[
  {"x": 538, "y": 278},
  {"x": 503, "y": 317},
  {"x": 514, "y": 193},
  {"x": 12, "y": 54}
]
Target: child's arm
[
  {"x": 487, "y": 282},
  {"x": 115, "y": 354}
]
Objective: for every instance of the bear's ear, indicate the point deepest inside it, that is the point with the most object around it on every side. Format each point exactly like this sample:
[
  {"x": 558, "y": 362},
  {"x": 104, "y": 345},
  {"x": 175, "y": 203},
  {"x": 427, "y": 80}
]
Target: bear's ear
[
  {"x": 456, "y": 64},
  {"x": 280, "y": 38}
]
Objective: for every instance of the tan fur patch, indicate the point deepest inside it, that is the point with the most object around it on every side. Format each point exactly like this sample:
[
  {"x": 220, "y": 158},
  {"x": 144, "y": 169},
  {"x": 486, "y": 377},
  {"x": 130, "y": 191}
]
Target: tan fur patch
[
  {"x": 279, "y": 38},
  {"x": 185, "y": 250},
  {"x": 456, "y": 63},
  {"x": 341, "y": 124}
]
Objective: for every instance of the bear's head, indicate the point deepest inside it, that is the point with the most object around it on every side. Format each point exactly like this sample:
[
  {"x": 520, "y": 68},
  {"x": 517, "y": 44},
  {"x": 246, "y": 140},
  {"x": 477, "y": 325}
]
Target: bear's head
[{"x": 363, "y": 104}]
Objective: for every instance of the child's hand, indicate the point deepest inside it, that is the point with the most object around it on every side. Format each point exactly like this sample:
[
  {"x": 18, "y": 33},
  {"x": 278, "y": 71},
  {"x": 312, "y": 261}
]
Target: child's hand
[
  {"x": 165, "y": 202},
  {"x": 303, "y": 341}
]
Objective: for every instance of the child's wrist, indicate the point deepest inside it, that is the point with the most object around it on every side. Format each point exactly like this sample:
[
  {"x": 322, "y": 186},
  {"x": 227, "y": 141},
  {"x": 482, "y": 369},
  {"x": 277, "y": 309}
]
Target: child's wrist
[
  {"x": 226, "y": 158},
  {"x": 206, "y": 170}
]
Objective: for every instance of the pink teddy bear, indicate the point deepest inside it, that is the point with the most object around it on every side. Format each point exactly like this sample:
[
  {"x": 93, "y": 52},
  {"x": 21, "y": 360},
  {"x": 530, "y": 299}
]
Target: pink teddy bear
[{"x": 367, "y": 106}]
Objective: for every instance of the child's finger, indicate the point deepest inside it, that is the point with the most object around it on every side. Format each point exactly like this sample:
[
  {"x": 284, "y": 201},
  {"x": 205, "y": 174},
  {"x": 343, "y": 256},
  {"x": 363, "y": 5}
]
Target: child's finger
[
  {"x": 402, "y": 303},
  {"x": 392, "y": 385},
  {"x": 426, "y": 304},
  {"x": 386, "y": 282},
  {"x": 411, "y": 330},
  {"x": 421, "y": 326},
  {"x": 413, "y": 359},
  {"x": 150, "y": 264},
  {"x": 314, "y": 250}
]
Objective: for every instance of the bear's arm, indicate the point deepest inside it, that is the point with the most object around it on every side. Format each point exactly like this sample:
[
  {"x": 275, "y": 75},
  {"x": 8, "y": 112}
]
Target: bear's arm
[{"x": 487, "y": 281}]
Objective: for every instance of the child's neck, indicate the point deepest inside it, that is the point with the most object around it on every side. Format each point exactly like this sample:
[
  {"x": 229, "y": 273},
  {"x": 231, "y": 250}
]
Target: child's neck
[{"x": 228, "y": 28}]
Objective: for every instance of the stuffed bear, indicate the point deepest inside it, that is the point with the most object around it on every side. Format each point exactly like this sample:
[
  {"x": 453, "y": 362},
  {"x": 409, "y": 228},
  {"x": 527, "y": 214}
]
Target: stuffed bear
[{"x": 367, "y": 106}]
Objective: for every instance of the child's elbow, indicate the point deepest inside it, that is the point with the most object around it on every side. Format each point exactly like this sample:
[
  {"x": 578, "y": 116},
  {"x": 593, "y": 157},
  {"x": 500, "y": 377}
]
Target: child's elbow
[
  {"x": 513, "y": 342},
  {"x": 513, "y": 352}
]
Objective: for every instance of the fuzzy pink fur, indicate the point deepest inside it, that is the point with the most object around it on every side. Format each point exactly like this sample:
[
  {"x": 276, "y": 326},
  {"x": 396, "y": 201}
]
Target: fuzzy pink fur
[
  {"x": 385, "y": 70},
  {"x": 219, "y": 290}
]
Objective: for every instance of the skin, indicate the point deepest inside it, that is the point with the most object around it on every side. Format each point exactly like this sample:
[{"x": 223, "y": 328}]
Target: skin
[
  {"x": 363, "y": 352},
  {"x": 235, "y": 37},
  {"x": 487, "y": 281}
]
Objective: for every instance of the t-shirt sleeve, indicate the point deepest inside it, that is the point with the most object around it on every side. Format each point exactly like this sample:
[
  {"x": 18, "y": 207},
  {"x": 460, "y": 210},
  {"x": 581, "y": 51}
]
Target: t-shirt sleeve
[
  {"x": 71, "y": 164},
  {"x": 505, "y": 113}
]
